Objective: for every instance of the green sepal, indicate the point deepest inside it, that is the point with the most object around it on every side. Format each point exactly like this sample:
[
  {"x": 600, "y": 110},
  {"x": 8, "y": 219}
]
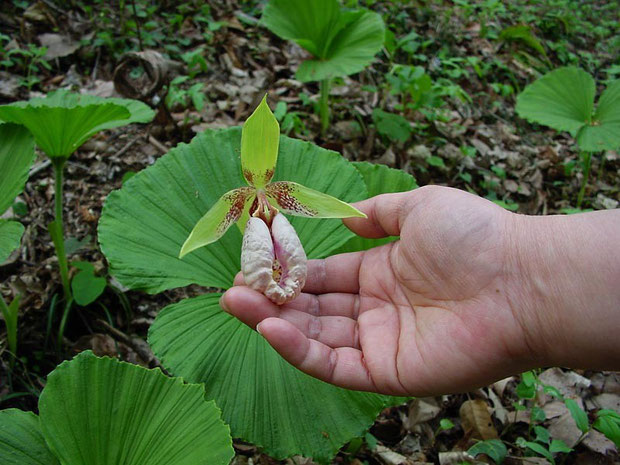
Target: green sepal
[
  {"x": 260, "y": 139},
  {"x": 218, "y": 219},
  {"x": 298, "y": 200}
]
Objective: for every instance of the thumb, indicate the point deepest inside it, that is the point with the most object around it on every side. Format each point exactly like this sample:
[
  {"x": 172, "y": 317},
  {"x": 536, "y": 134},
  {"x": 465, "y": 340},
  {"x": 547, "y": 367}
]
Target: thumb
[{"x": 386, "y": 213}]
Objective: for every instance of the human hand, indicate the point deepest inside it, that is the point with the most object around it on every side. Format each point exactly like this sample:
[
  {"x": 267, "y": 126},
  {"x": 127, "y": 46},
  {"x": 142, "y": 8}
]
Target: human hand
[
  {"x": 429, "y": 313},
  {"x": 470, "y": 293}
]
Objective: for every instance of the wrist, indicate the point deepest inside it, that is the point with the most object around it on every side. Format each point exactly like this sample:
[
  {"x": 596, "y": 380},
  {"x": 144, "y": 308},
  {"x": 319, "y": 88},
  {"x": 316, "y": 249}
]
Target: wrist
[{"x": 565, "y": 272}]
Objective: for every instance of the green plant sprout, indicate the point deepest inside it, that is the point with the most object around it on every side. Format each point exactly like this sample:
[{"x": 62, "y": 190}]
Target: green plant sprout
[
  {"x": 16, "y": 156},
  {"x": 279, "y": 255},
  {"x": 564, "y": 100},
  {"x": 341, "y": 42},
  {"x": 60, "y": 123},
  {"x": 101, "y": 411}
]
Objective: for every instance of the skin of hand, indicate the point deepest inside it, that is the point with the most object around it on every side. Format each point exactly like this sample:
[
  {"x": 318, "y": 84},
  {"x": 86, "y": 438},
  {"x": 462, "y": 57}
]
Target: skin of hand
[{"x": 469, "y": 294}]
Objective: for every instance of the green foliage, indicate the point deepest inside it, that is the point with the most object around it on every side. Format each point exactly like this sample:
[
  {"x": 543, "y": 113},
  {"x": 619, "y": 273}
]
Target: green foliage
[
  {"x": 608, "y": 422},
  {"x": 85, "y": 285},
  {"x": 395, "y": 127},
  {"x": 578, "y": 414},
  {"x": 62, "y": 121},
  {"x": 564, "y": 100},
  {"x": 522, "y": 33},
  {"x": 179, "y": 96},
  {"x": 9, "y": 313},
  {"x": 342, "y": 42},
  {"x": 104, "y": 412},
  {"x": 21, "y": 440},
  {"x": 494, "y": 448}
]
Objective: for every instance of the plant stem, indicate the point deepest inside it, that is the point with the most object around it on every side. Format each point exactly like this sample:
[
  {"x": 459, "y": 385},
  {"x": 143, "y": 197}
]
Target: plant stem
[
  {"x": 323, "y": 104},
  {"x": 135, "y": 17},
  {"x": 59, "y": 241},
  {"x": 586, "y": 158}
]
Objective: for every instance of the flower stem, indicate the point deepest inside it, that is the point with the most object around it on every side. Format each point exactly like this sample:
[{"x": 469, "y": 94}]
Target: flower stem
[
  {"x": 323, "y": 104},
  {"x": 586, "y": 158},
  {"x": 57, "y": 228}
]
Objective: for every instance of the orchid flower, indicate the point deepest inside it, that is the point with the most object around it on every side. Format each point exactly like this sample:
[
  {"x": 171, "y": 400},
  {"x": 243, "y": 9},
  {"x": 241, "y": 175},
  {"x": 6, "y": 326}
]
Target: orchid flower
[{"x": 267, "y": 241}]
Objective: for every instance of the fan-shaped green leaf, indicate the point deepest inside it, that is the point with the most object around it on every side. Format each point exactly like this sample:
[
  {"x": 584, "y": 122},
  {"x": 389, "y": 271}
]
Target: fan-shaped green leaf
[
  {"x": 10, "y": 237},
  {"x": 16, "y": 156},
  {"x": 342, "y": 42},
  {"x": 21, "y": 441},
  {"x": 379, "y": 179},
  {"x": 562, "y": 99},
  {"x": 263, "y": 398},
  {"x": 63, "y": 121},
  {"x": 603, "y": 133},
  {"x": 144, "y": 224},
  {"x": 99, "y": 411}
]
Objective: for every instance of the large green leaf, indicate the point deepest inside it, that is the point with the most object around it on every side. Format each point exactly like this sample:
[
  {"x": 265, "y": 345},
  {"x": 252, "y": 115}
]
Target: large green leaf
[
  {"x": 379, "y": 179},
  {"x": 63, "y": 121},
  {"x": 342, "y": 42},
  {"x": 21, "y": 441},
  {"x": 263, "y": 398},
  {"x": 604, "y": 131},
  {"x": 562, "y": 99},
  {"x": 16, "y": 156},
  {"x": 10, "y": 237},
  {"x": 144, "y": 224},
  {"x": 99, "y": 411}
]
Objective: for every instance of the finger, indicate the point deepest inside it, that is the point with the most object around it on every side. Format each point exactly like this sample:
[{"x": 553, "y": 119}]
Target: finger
[
  {"x": 333, "y": 304},
  {"x": 239, "y": 281},
  {"x": 342, "y": 366},
  {"x": 338, "y": 273},
  {"x": 385, "y": 215},
  {"x": 251, "y": 308}
]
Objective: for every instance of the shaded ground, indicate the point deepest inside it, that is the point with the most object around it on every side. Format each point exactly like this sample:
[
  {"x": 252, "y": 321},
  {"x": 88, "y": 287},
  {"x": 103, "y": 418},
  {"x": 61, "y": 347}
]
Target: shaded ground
[{"x": 466, "y": 136}]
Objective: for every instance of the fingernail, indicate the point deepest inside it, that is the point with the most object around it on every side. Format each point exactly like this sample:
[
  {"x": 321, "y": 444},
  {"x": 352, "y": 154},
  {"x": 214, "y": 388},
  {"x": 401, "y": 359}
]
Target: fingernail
[
  {"x": 223, "y": 305},
  {"x": 258, "y": 328}
]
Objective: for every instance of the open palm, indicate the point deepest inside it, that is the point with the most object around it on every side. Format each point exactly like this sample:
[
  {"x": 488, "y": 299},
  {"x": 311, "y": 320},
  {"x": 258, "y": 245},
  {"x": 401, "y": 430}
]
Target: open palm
[{"x": 428, "y": 314}]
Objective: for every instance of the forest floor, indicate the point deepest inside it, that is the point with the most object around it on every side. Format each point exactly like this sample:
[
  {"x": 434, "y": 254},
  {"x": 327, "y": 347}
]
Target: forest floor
[{"x": 463, "y": 132}]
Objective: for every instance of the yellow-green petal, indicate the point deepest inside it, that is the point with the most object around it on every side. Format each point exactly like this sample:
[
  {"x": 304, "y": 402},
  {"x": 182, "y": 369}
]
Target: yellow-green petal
[
  {"x": 218, "y": 219},
  {"x": 298, "y": 200},
  {"x": 260, "y": 138}
]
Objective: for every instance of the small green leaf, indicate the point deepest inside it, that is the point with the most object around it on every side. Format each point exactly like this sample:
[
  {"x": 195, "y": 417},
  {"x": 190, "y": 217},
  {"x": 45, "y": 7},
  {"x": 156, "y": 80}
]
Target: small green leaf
[
  {"x": 218, "y": 219},
  {"x": 10, "y": 237},
  {"x": 539, "y": 449},
  {"x": 394, "y": 127},
  {"x": 557, "y": 445},
  {"x": 603, "y": 133},
  {"x": 608, "y": 422},
  {"x": 371, "y": 441},
  {"x": 445, "y": 424},
  {"x": 494, "y": 448},
  {"x": 542, "y": 434},
  {"x": 85, "y": 285},
  {"x": 578, "y": 414},
  {"x": 524, "y": 34},
  {"x": 298, "y": 200},
  {"x": 436, "y": 161},
  {"x": 16, "y": 156},
  {"x": 562, "y": 99},
  {"x": 537, "y": 415},
  {"x": 10, "y": 320},
  {"x": 21, "y": 441},
  {"x": 260, "y": 139}
]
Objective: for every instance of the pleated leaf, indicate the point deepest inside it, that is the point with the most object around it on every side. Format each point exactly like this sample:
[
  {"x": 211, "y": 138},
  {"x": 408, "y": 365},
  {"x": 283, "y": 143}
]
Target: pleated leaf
[
  {"x": 99, "y": 411},
  {"x": 144, "y": 224},
  {"x": 16, "y": 156},
  {"x": 379, "y": 179},
  {"x": 562, "y": 99},
  {"x": 342, "y": 42},
  {"x": 10, "y": 237},
  {"x": 604, "y": 131},
  {"x": 264, "y": 399},
  {"x": 63, "y": 121},
  {"x": 21, "y": 441}
]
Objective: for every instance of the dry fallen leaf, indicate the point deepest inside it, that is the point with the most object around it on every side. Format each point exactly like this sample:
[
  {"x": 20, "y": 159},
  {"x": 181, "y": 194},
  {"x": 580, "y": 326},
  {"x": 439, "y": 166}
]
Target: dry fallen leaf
[
  {"x": 475, "y": 417},
  {"x": 421, "y": 410}
]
